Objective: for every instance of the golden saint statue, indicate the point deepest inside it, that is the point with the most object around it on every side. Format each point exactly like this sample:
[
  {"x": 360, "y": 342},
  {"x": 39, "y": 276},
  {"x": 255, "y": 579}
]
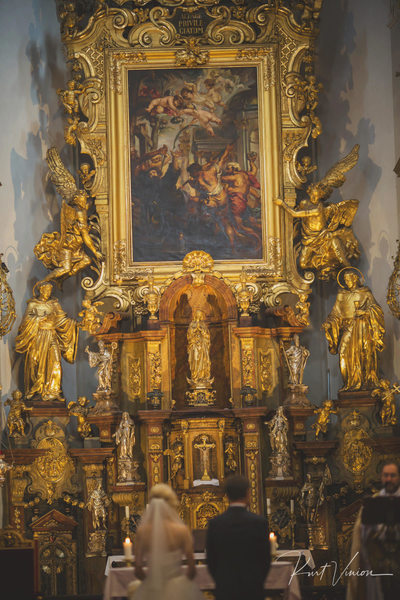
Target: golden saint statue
[
  {"x": 327, "y": 240},
  {"x": 355, "y": 328},
  {"x": 63, "y": 252},
  {"x": 44, "y": 335},
  {"x": 198, "y": 337}
]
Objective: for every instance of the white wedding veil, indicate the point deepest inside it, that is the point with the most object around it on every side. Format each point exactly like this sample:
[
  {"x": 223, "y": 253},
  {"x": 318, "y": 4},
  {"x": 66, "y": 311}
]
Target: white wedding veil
[{"x": 156, "y": 523}]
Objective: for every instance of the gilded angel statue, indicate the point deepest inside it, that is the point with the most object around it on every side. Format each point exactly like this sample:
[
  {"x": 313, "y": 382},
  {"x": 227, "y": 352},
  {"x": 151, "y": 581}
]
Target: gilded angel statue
[
  {"x": 327, "y": 239},
  {"x": 64, "y": 251}
]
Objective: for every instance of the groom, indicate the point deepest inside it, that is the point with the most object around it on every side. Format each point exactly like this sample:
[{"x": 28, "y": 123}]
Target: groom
[{"x": 238, "y": 551}]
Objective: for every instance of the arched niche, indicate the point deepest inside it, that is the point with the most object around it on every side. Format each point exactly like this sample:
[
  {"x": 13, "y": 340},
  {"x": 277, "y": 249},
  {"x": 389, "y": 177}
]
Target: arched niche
[{"x": 177, "y": 307}]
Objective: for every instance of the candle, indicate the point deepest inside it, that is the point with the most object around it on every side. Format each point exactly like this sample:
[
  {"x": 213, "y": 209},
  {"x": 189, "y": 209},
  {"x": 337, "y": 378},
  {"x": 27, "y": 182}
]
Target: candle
[
  {"x": 273, "y": 544},
  {"x": 128, "y": 549},
  {"x": 127, "y": 512},
  {"x": 268, "y": 506},
  {"x": 292, "y": 506}
]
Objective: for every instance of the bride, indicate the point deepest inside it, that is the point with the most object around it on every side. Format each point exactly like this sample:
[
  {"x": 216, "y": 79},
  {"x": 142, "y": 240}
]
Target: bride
[{"x": 162, "y": 539}]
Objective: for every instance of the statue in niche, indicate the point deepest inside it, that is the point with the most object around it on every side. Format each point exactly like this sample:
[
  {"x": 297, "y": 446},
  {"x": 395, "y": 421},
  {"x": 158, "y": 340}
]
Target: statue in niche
[
  {"x": 278, "y": 437},
  {"x": 103, "y": 360},
  {"x": 278, "y": 432},
  {"x": 327, "y": 240},
  {"x": 198, "y": 338},
  {"x": 125, "y": 440},
  {"x": 44, "y": 335},
  {"x": 354, "y": 329},
  {"x": 125, "y": 437}
]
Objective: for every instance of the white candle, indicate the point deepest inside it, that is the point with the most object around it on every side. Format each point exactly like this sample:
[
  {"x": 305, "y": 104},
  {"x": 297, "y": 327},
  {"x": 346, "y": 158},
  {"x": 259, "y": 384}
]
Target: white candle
[
  {"x": 268, "y": 506},
  {"x": 127, "y": 512},
  {"x": 128, "y": 549},
  {"x": 292, "y": 506},
  {"x": 273, "y": 544}
]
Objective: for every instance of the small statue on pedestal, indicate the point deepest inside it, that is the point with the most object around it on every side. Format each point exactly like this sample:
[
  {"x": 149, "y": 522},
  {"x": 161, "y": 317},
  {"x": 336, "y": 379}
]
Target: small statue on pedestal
[
  {"x": 103, "y": 361},
  {"x": 324, "y": 413},
  {"x": 278, "y": 436},
  {"x": 125, "y": 440},
  {"x": 16, "y": 420},
  {"x": 296, "y": 357}
]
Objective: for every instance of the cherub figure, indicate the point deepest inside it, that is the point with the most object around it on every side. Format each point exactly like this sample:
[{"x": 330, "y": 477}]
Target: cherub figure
[
  {"x": 16, "y": 420},
  {"x": 86, "y": 174},
  {"x": 303, "y": 310},
  {"x": 63, "y": 251},
  {"x": 69, "y": 97},
  {"x": 169, "y": 105},
  {"x": 80, "y": 410},
  {"x": 305, "y": 166},
  {"x": 327, "y": 240},
  {"x": 324, "y": 413},
  {"x": 386, "y": 395},
  {"x": 91, "y": 316}
]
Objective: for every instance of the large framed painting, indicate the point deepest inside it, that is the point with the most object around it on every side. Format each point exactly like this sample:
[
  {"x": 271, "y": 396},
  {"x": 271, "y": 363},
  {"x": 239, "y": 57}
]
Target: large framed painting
[{"x": 194, "y": 157}]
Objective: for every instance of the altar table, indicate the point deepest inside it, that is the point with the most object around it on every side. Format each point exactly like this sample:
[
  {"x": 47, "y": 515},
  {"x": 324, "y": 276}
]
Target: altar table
[{"x": 279, "y": 578}]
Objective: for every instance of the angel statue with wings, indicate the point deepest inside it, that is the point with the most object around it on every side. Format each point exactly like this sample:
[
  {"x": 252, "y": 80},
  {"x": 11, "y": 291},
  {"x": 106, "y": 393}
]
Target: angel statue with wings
[
  {"x": 327, "y": 240},
  {"x": 64, "y": 251}
]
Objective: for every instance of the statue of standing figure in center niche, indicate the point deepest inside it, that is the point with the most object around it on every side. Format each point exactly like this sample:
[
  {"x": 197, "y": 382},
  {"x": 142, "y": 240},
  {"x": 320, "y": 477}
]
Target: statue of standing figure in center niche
[
  {"x": 198, "y": 337},
  {"x": 355, "y": 329}
]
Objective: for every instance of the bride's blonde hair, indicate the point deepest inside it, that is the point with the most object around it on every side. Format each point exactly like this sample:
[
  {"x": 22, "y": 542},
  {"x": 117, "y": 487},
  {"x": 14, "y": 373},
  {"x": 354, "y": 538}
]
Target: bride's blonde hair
[{"x": 163, "y": 491}]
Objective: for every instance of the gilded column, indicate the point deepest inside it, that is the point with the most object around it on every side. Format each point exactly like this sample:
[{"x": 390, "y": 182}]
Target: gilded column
[{"x": 251, "y": 422}]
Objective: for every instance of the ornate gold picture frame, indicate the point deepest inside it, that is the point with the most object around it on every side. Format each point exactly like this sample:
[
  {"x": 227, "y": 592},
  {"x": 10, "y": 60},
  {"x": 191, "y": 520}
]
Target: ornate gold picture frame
[{"x": 210, "y": 152}]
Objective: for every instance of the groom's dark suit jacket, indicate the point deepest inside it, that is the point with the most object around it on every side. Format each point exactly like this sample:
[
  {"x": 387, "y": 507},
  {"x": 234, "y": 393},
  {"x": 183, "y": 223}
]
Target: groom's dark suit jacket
[{"x": 238, "y": 554}]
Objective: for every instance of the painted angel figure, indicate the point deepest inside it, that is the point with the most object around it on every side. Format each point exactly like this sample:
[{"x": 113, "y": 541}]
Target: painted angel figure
[
  {"x": 64, "y": 251},
  {"x": 327, "y": 239}
]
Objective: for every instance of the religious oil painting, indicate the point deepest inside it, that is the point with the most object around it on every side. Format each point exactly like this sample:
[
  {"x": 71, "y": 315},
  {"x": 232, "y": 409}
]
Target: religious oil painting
[{"x": 194, "y": 162}]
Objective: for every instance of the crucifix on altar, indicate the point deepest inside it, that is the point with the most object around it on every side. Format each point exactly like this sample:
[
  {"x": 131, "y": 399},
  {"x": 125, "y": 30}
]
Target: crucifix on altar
[{"x": 205, "y": 463}]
